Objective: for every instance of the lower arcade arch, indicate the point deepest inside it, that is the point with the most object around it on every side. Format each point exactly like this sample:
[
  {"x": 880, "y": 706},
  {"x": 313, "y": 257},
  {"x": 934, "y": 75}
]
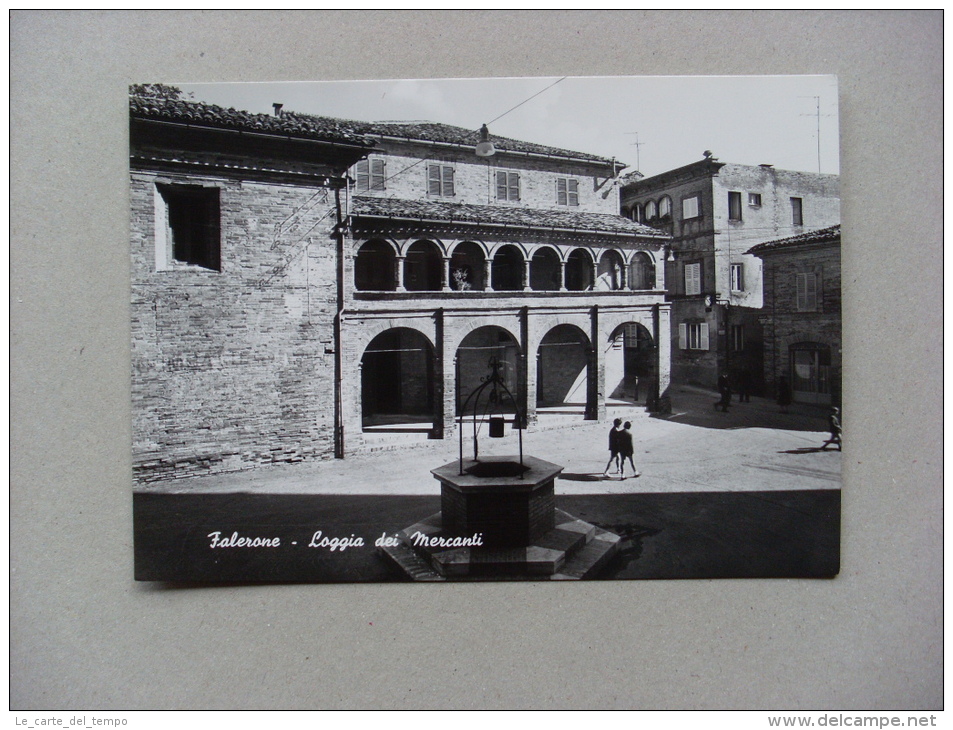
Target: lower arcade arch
[
  {"x": 473, "y": 365},
  {"x": 397, "y": 379},
  {"x": 631, "y": 365},
  {"x": 563, "y": 370}
]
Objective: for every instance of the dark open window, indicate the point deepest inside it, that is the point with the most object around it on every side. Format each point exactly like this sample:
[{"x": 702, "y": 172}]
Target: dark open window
[
  {"x": 734, "y": 206},
  {"x": 797, "y": 212},
  {"x": 193, "y": 227}
]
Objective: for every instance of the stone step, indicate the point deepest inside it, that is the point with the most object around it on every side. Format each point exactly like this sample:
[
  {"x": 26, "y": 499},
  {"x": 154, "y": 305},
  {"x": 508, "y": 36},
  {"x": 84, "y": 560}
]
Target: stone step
[{"x": 574, "y": 550}]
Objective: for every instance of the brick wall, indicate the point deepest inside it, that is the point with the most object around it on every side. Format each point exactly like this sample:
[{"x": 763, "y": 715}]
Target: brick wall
[
  {"x": 785, "y": 326},
  {"x": 475, "y": 179},
  {"x": 232, "y": 368}
]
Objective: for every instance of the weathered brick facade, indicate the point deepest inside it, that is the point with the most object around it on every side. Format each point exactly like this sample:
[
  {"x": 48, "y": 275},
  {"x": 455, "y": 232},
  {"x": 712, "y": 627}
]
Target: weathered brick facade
[
  {"x": 716, "y": 212},
  {"x": 278, "y": 312},
  {"x": 802, "y": 325}
]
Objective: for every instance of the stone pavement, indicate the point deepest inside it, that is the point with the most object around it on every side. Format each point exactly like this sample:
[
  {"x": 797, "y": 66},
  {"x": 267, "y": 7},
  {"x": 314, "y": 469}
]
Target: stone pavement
[{"x": 753, "y": 447}]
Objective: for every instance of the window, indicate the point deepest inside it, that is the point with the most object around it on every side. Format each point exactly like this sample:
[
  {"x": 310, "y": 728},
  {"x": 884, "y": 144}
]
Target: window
[
  {"x": 691, "y": 207},
  {"x": 370, "y": 174},
  {"x": 734, "y": 206},
  {"x": 693, "y": 336},
  {"x": 507, "y": 185},
  {"x": 651, "y": 211},
  {"x": 693, "y": 278},
  {"x": 737, "y": 337},
  {"x": 665, "y": 208},
  {"x": 806, "y": 292},
  {"x": 754, "y": 199},
  {"x": 637, "y": 213},
  {"x": 737, "y": 277},
  {"x": 440, "y": 180},
  {"x": 567, "y": 191},
  {"x": 188, "y": 229},
  {"x": 810, "y": 372},
  {"x": 797, "y": 212}
]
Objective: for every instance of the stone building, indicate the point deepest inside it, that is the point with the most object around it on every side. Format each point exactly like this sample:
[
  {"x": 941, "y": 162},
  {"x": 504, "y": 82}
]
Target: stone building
[
  {"x": 715, "y": 212},
  {"x": 304, "y": 286},
  {"x": 802, "y": 314}
]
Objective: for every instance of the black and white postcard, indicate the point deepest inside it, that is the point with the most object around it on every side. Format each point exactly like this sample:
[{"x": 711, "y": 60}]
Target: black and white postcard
[{"x": 486, "y": 329}]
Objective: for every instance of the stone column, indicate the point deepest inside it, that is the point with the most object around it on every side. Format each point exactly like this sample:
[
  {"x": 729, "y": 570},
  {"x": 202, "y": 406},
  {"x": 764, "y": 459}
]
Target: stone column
[
  {"x": 528, "y": 384},
  {"x": 487, "y": 270},
  {"x": 526, "y": 286},
  {"x": 595, "y": 386},
  {"x": 562, "y": 276},
  {"x": 446, "y": 274},
  {"x": 662, "y": 321},
  {"x": 399, "y": 273},
  {"x": 439, "y": 379}
]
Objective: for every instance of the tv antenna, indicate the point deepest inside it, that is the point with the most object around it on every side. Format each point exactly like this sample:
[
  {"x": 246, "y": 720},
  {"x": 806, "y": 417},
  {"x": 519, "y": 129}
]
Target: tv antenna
[
  {"x": 817, "y": 114},
  {"x": 637, "y": 145}
]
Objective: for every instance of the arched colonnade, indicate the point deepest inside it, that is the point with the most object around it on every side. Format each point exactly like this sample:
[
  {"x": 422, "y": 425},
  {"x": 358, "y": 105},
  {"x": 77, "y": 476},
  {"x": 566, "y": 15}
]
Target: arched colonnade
[{"x": 381, "y": 264}]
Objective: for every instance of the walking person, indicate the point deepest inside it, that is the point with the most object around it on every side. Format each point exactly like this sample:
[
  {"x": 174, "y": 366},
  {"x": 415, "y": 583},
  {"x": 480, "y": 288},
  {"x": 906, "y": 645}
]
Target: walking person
[
  {"x": 626, "y": 450},
  {"x": 784, "y": 394},
  {"x": 744, "y": 386},
  {"x": 614, "y": 444},
  {"x": 724, "y": 387},
  {"x": 833, "y": 422}
]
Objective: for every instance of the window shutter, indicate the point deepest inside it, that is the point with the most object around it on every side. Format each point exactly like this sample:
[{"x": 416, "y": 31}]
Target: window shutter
[
  {"x": 810, "y": 293},
  {"x": 514, "y": 192},
  {"x": 574, "y": 192},
  {"x": 704, "y": 337},
  {"x": 683, "y": 337},
  {"x": 693, "y": 284},
  {"x": 806, "y": 292},
  {"x": 377, "y": 174},
  {"x": 447, "y": 180},
  {"x": 501, "y": 185},
  {"x": 213, "y": 231},
  {"x": 433, "y": 179},
  {"x": 561, "y": 192},
  {"x": 363, "y": 175}
]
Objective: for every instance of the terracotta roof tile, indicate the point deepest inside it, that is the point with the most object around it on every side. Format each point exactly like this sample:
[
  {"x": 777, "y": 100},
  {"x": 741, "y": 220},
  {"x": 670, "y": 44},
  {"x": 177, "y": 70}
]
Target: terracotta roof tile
[
  {"x": 821, "y": 235},
  {"x": 446, "y": 133},
  {"x": 209, "y": 115},
  {"x": 498, "y": 215},
  {"x": 331, "y": 129}
]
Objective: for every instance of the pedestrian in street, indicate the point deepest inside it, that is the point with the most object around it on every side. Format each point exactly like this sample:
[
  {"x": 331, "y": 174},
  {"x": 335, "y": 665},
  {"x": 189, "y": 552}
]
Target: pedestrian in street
[
  {"x": 744, "y": 386},
  {"x": 614, "y": 445},
  {"x": 833, "y": 422},
  {"x": 724, "y": 387},
  {"x": 626, "y": 450},
  {"x": 784, "y": 394}
]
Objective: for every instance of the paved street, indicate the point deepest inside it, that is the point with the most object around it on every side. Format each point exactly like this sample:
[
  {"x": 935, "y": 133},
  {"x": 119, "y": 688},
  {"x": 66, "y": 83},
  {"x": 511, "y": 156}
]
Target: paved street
[
  {"x": 738, "y": 494},
  {"x": 697, "y": 448}
]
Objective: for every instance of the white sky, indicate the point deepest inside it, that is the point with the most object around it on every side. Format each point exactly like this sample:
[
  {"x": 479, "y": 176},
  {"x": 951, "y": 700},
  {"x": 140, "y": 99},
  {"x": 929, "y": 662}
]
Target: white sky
[{"x": 741, "y": 119}]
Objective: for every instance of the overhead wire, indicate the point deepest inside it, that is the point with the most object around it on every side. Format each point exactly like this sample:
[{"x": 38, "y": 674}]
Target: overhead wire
[{"x": 430, "y": 157}]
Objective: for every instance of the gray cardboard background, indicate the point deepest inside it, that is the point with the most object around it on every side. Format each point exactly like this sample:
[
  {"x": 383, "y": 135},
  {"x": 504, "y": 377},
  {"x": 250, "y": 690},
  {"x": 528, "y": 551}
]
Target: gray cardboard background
[{"x": 84, "y": 635}]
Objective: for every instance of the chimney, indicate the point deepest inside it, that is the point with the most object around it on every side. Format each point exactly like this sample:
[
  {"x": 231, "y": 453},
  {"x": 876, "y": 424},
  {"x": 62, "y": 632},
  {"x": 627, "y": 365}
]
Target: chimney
[{"x": 277, "y": 109}]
